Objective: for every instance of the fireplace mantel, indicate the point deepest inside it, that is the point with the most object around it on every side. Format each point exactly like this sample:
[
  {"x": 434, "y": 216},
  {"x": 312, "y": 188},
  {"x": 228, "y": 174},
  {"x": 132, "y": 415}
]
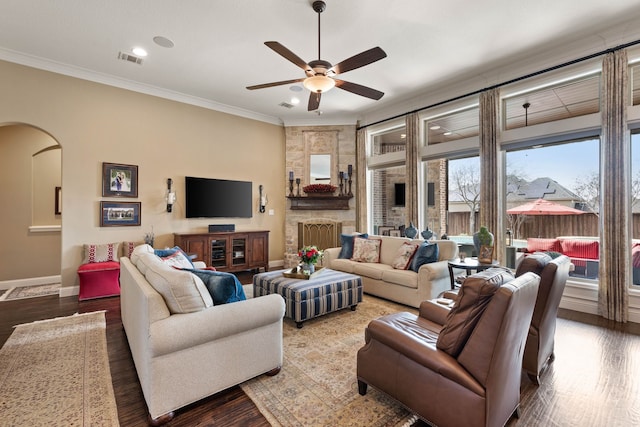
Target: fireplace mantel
[{"x": 317, "y": 202}]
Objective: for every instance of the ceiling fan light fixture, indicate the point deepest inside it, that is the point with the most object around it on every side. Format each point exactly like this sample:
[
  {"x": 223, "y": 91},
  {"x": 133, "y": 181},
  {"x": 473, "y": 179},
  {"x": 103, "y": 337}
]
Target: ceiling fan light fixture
[{"x": 319, "y": 84}]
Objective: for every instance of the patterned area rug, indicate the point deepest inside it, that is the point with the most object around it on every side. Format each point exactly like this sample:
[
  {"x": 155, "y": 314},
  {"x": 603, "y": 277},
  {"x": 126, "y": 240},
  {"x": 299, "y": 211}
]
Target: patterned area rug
[
  {"x": 317, "y": 385},
  {"x": 56, "y": 373},
  {"x": 22, "y": 292}
]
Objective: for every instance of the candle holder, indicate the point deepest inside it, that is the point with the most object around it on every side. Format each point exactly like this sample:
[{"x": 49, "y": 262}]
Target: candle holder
[
  {"x": 341, "y": 183},
  {"x": 350, "y": 173},
  {"x": 298, "y": 184},
  {"x": 290, "y": 187}
]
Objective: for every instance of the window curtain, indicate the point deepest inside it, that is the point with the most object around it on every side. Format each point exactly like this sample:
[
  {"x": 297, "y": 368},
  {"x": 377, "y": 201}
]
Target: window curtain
[
  {"x": 489, "y": 172},
  {"x": 613, "y": 297},
  {"x": 411, "y": 149},
  {"x": 361, "y": 180}
]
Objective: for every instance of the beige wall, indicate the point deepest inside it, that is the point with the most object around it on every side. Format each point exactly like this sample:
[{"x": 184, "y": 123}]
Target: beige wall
[
  {"x": 29, "y": 176},
  {"x": 96, "y": 123}
]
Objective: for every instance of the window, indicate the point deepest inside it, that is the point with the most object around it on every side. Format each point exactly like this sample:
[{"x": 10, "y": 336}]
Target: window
[
  {"x": 463, "y": 196},
  {"x": 561, "y": 101},
  {"x": 386, "y": 213},
  {"x": 567, "y": 175},
  {"x": 635, "y": 207}
]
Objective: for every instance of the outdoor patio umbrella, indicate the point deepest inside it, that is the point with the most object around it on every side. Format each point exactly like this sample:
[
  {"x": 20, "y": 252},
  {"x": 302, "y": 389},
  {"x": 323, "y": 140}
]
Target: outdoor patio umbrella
[{"x": 543, "y": 207}]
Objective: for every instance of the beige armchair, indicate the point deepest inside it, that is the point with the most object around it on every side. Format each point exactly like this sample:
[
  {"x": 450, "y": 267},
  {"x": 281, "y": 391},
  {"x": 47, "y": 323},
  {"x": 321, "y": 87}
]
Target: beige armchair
[{"x": 460, "y": 367}]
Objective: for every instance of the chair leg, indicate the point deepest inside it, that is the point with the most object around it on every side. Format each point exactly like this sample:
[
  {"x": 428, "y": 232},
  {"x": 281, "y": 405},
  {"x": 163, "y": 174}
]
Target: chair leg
[
  {"x": 534, "y": 378},
  {"x": 362, "y": 388}
]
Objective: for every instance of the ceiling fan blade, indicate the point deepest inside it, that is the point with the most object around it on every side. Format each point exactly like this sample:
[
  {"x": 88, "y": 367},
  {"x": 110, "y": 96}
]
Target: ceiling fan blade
[
  {"x": 290, "y": 56},
  {"x": 314, "y": 101},
  {"x": 264, "y": 85},
  {"x": 359, "y": 89},
  {"x": 359, "y": 60}
]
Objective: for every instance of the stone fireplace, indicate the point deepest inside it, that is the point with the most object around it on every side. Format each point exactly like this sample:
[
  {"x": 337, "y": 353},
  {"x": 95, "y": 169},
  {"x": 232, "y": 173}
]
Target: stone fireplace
[{"x": 323, "y": 225}]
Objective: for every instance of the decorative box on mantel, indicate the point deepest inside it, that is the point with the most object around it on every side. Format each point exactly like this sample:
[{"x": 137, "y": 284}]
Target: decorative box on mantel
[{"x": 319, "y": 202}]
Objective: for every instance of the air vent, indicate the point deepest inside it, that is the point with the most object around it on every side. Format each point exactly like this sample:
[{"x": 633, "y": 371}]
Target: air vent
[
  {"x": 286, "y": 105},
  {"x": 130, "y": 58}
]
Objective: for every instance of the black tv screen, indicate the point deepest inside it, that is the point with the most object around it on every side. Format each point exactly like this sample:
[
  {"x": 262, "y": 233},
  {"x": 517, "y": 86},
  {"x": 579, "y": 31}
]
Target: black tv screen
[
  {"x": 218, "y": 198},
  {"x": 399, "y": 194}
]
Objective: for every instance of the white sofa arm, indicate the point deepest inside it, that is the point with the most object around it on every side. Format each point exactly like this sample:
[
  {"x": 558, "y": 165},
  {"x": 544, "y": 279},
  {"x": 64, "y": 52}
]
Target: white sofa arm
[
  {"x": 433, "y": 271},
  {"x": 329, "y": 255},
  {"x": 183, "y": 331}
]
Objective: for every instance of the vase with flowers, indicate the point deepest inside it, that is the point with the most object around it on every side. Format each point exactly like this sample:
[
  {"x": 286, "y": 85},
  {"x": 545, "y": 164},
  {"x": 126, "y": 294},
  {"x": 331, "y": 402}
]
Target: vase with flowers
[{"x": 309, "y": 256}]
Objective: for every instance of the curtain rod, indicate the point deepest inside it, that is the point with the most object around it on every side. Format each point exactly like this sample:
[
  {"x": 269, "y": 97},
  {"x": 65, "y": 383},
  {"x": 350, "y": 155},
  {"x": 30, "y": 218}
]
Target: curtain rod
[{"x": 517, "y": 79}]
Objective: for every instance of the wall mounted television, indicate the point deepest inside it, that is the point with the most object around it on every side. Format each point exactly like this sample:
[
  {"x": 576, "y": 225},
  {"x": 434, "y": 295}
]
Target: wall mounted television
[{"x": 218, "y": 198}]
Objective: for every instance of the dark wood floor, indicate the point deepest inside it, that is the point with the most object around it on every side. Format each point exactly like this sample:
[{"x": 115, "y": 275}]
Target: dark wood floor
[{"x": 233, "y": 408}]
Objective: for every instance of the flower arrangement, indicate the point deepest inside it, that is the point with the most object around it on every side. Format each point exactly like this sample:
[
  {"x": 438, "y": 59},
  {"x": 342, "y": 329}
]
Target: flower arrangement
[
  {"x": 319, "y": 188},
  {"x": 309, "y": 254}
]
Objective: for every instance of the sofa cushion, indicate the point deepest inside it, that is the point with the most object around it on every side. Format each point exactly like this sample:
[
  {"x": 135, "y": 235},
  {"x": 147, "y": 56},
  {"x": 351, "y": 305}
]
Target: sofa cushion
[
  {"x": 128, "y": 247},
  {"x": 223, "y": 287},
  {"x": 182, "y": 291},
  {"x": 577, "y": 248},
  {"x": 366, "y": 250},
  {"x": 101, "y": 253},
  {"x": 166, "y": 253},
  {"x": 371, "y": 270},
  {"x": 406, "y": 278},
  {"x": 345, "y": 265},
  {"x": 535, "y": 244},
  {"x": 426, "y": 253},
  {"x": 138, "y": 251},
  {"x": 346, "y": 243},
  {"x": 473, "y": 298},
  {"x": 404, "y": 254}
]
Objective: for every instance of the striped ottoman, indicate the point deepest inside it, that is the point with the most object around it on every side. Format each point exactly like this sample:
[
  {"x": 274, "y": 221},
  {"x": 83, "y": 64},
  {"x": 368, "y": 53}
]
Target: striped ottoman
[{"x": 328, "y": 291}]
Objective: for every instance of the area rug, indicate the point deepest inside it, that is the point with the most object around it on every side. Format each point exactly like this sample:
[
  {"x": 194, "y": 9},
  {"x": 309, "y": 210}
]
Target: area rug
[
  {"x": 317, "y": 385},
  {"x": 22, "y": 292},
  {"x": 56, "y": 373}
]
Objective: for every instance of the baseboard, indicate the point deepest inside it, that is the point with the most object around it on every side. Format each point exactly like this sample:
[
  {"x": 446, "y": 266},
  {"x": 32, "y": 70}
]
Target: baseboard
[
  {"x": 69, "y": 291},
  {"x": 33, "y": 281},
  {"x": 277, "y": 264}
]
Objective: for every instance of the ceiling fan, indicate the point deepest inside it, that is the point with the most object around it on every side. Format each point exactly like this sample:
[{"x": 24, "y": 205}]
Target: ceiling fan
[{"x": 320, "y": 74}]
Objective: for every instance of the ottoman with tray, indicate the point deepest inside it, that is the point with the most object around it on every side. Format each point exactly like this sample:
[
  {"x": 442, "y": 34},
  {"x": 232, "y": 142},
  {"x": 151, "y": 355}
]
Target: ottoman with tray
[{"x": 324, "y": 292}]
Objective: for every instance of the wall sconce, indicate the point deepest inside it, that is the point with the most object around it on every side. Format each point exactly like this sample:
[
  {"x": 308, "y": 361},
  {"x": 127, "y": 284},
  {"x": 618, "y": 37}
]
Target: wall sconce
[
  {"x": 171, "y": 195},
  {"x": 263, "y": 200}
]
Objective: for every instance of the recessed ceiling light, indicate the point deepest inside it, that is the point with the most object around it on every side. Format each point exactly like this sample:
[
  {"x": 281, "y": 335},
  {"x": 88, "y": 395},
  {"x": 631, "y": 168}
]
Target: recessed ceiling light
[
  {"x": 139, "y": 51},
  {"x": 295, "y": 101},
  {"x": 447, "y": 133},
  {"x": 403, "y": 135},
  {"x": 163, "y": 41},
  {"x": 434, "y": 127},
  {"x": 295, "y": 88}
]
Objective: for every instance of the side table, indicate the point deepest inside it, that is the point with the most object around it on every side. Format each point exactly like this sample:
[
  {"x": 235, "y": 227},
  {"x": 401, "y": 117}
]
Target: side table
[{"x": 468, "y": 264}]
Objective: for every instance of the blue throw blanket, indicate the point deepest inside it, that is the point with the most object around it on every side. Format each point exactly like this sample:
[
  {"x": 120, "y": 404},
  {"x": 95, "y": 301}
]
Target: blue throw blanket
[{"x": 223, "y": 287}]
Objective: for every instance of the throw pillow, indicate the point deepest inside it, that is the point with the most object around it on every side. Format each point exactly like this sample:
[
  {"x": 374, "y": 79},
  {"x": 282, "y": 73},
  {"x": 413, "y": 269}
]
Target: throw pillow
[
  {"x": 128, "y": 247},
  {"x": 404, "y": 254},
  {"x": 164, "y": 253},
  {"x": 346, "y": 243},
  {"x": 366, "y": 250},
  {"x": 101, "y": 253},
  {"x": 182, "y": 291},
  {"x": 425, "y": 254},
  {"x": 474, "y": 296},
  {"x": 223, "y": 287},
  {"x": 177, "y": 260}
]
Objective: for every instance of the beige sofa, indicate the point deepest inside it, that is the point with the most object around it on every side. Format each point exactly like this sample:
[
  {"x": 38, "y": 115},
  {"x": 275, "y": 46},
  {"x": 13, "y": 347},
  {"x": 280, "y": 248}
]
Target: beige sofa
[
  {"x": 183, "y": 357},
  {"x": 403, "y": 286}
]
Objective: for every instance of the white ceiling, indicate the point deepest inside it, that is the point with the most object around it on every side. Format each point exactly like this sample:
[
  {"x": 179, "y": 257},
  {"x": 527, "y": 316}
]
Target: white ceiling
[{"x": 219, "y": 46}]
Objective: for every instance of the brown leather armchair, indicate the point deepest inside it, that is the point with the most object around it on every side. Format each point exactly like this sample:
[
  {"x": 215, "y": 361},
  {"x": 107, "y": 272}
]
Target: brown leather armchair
[
  {"x": 464, "y": 373},
  {"x": 538, "y": 351}
]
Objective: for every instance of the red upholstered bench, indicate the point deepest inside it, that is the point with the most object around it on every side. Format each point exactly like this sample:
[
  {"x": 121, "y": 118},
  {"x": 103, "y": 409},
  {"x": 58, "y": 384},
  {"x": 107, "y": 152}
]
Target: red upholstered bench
[{"x": 99, "y": 279}]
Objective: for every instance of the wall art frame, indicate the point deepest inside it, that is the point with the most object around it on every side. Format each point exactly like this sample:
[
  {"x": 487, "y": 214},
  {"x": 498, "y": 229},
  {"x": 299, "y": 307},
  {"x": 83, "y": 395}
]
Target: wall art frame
[
  {"x": 120, "y": 214},
  {"x": 119, "y": 180}
]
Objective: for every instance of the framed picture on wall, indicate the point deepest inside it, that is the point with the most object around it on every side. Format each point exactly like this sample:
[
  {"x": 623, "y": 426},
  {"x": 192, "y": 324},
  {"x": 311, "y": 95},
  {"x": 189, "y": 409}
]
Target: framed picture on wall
[
  {"x": 119, "y": 214},
  {"x": 119, "y": 180}
]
